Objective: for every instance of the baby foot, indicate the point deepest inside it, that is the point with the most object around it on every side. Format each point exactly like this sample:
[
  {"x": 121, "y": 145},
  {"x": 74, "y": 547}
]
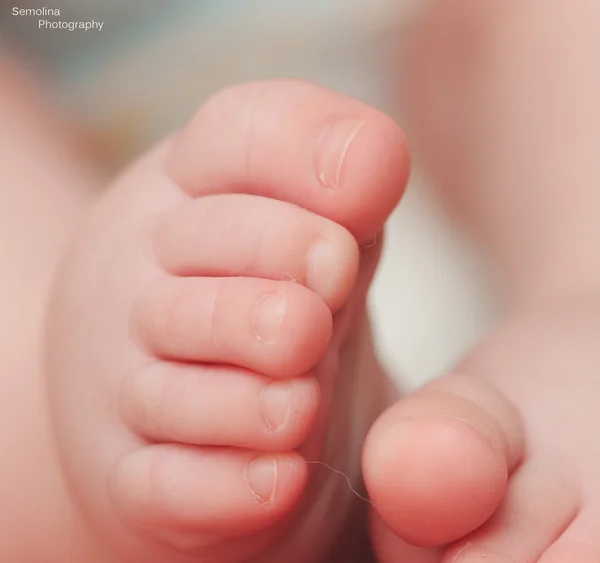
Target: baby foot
[
  {"x": 208, "y": 332},
  {"x": 515, "y": 428}
]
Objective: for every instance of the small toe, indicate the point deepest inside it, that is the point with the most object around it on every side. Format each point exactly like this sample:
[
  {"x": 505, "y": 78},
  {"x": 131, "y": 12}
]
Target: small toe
[
  {"x": 195, "y": 497},
  {"x": 219, "y": 406},
  {"x": 280, "y": 329},
  {"x": 242, "y": 235}
]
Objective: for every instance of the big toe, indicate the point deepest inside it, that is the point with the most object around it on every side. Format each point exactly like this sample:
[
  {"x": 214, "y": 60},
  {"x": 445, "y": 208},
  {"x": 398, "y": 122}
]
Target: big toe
[
  {"x": 300, "y": 143},
  {"x": 437, "y": 463}
]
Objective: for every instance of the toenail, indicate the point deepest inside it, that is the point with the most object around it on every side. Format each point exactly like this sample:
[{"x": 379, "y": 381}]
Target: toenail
[
  {"x": 470, "y": 424},
  {"x": 261, "y": 476},
  {"x": 333, "y": 144},
  {"x": 321, "y": 268},
  {"x": 276, "y": 403},
  {"x": 268, "y": 316}
]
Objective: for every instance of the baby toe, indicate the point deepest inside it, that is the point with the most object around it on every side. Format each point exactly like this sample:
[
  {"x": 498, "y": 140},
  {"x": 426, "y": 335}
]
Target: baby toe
[
  {"x": 219, "y": 406},
  {"x": 280, "y": 329}
]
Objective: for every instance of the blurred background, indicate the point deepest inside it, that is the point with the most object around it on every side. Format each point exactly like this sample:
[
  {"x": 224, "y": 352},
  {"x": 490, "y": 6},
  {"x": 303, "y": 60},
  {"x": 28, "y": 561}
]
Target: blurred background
[{"x": 153, "y": 62}]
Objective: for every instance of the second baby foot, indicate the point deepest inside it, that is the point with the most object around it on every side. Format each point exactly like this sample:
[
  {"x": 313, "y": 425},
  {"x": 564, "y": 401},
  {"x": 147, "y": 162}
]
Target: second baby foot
[
  {"x": 500, "y": 458},
  {"x": 208, "y": 333}
]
